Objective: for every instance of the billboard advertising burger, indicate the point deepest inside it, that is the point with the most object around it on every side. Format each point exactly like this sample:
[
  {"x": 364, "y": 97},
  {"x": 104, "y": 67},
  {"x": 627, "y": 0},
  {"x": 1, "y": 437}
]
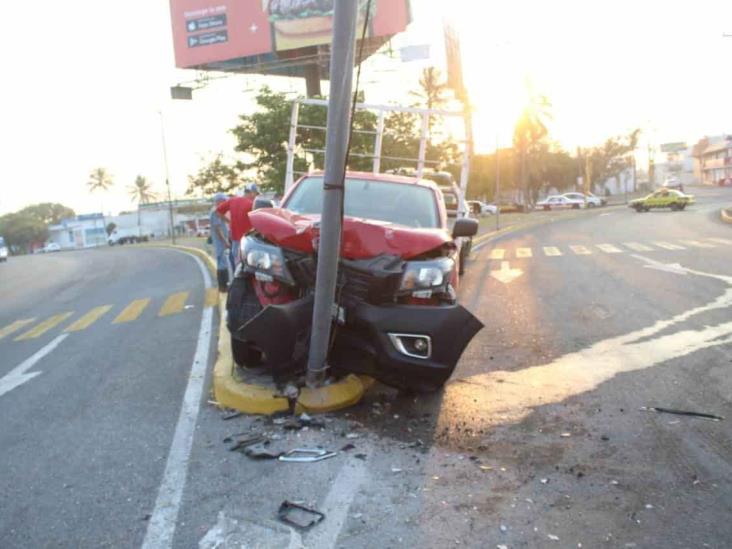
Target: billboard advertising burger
[{"x": 240, "y": 34}]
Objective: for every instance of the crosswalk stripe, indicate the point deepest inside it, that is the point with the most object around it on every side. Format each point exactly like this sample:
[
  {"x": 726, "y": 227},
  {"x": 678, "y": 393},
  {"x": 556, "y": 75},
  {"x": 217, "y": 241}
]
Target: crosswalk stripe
[
  {"x": 609, "y": 248},
  {"x": 497, "y": 253},
  {"x": 697, "y": 244},
  {"x": 524, "y": 252},
  {"x": 720, "y": 240},
  {"x": 88, "y": 319},
  {"x": 637, "y": 246},
  {"x": 14, "y": 327},
  {"x": 44, "y": 326},
  {"x": 132, "y": 311},
  {"x": 580, "y": 250},
  {"x": 552, "y": 251},
  {"x": 667, "y": 245},
  {"x": 174, "y": 304},
  {"x": 212, "y": 297}
]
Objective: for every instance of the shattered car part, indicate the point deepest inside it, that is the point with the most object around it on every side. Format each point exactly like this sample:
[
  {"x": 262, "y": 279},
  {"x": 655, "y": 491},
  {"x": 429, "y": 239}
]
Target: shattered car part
[
  {"x": 260, "y": 451},
  {"x": 299, "y": 516},
  {"x": 243, "y": 443},
  {"x": 681, "y": 413},
  {"x": 306, "y": 455}
]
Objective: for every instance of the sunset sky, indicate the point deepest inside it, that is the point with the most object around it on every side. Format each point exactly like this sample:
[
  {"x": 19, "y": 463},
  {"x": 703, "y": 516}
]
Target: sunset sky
[{"x": 84, "y": 88}]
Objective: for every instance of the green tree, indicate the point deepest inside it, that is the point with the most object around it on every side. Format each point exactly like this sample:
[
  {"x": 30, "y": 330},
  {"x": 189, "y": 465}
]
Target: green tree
[
  {"x": 431, "y": 93},
  {"x": 530, "y": 140},
  {"x": 214, "y": 177},
  {"x": 48, "y": 213},
  {"x": 110, "y": 228},
  {"x": 141, "y": 192},
  {"x": 99, "y": 180},
  {"x": 611, "y": 158},
  {"x": 21, "y": 230}
]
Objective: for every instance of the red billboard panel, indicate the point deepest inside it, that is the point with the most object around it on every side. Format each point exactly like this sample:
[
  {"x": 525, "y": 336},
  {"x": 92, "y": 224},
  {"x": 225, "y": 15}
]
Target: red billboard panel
[{"x": 246, "y": 34}]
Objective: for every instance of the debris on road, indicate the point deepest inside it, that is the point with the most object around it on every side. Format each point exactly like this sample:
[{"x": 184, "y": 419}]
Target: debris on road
[
  {"x": 306, "y": 455},
  {"x": 260, "y": 451},
  {"x": 242, "y": 443},
  {"x": 348, "y": 447},
  {"x": 681, "y": 412},
  {"x": 553, "y": 537},
  {"x": 299, "y": 516},
  {"x": 232, "y": 415}
]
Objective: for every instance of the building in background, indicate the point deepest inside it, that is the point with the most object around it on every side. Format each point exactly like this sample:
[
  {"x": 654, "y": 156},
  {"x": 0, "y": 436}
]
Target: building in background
[
  {"x": 82, "y": 231},
  {"x": 713, "y": 159}
]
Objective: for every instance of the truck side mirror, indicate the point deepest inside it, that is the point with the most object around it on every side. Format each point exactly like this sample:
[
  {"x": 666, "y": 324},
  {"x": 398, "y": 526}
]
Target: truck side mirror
[{"x": 465, "y": 226}]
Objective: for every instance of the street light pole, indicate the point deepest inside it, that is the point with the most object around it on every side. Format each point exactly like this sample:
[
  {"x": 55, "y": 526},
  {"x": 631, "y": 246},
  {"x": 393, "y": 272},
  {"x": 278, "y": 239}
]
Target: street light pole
[
  {"x": 167, "y": 177},
  {"x": 339, "y": 106},
  {"x": 498, "y": 186}
]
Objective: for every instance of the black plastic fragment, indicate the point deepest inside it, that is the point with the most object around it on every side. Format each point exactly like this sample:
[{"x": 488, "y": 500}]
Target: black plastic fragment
[{"x": 299, "y": 516}]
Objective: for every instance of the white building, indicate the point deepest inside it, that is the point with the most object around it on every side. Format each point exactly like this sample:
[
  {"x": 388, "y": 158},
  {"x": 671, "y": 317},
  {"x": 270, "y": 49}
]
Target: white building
[{"x": 82, "y": 231}]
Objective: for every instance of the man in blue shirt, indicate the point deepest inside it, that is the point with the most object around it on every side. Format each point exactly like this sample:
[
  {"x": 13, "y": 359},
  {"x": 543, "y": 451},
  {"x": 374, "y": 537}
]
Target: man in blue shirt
[{"x": 220, "y": 241}]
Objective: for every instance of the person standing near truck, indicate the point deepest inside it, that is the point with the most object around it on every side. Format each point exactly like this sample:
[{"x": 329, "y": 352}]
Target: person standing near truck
[
  {"x": 220, "y": 241},
  {"x": 238, "y": 208}
]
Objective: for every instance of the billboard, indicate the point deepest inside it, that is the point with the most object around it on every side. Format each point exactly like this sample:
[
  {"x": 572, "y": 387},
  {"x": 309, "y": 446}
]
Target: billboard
[
  {"x": 269, "y": 36},
  {"x": 673, "y": 147}
]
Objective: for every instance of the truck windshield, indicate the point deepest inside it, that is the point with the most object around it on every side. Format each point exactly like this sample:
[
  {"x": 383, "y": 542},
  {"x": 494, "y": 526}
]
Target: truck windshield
[
  {"x": 2, "y": 242},
  {"x": 399, "y": 203}
]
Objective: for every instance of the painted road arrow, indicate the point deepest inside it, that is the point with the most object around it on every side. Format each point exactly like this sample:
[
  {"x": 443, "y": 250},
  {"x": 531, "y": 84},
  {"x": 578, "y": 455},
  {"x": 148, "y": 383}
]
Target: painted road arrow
[
  {"x": 674, "y": 268},
  {"x": 506, "y": 274},
  {"x": 17, "y": 376}
]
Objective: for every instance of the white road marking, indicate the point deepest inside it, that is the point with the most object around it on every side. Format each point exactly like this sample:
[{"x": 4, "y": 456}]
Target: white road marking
[
  {"x": 674, "y": 268},
  {"x": 637, "y": 246},
  {"x": 580, "y": 250},
  {"x": 506, "y": 274},
  {"x": 523, "y": 252},
  {"x": 668, "y": 245},
  {"x": 497, "y": 253},
  {"x": 697, "y": 244},
  {"x": 552, "y": 251},
  {"x": 609, "y": 248},
  {"x": 337, "y": 503},
  {"x": 17, "y": 376},
  {"x": 720, "y": 240},
  {"x": 161, "y": 527}
]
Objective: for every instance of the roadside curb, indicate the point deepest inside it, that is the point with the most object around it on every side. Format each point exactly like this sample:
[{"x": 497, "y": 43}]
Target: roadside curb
[
  {"x": 487, "y": 237},
  {"x": 726, "y": 215},
  {"x": 231, "y": 391}
]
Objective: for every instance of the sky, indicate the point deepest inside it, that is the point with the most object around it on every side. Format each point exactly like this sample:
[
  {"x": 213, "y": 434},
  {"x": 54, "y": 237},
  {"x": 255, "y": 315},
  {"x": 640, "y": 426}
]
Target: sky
[{"x": 87, "y": 84}]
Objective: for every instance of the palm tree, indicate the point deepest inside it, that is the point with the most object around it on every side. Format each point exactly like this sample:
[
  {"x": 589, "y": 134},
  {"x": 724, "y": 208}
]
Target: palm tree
[
  {"x": 431, "y": 93},
  {"x": 99, "y": 180},
  {"x": 529, "y": 134},
  {"x": 141, "y": 192}
]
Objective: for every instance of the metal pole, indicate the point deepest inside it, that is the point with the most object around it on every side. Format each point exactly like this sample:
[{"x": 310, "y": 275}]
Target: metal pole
[
  {"x": 379, "y": 141},
  {"x": 339, "y": 105},
  {"x": 290, "y": 173},
  {"x": 422, "y": 144},
  {"x": 468, "y": 153},
  {"x": 167, "y": 177},
  {"x": 498, "y": 186}
]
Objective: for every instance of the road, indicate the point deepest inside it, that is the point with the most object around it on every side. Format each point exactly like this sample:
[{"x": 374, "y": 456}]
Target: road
[{"x": 539, "y": 439}]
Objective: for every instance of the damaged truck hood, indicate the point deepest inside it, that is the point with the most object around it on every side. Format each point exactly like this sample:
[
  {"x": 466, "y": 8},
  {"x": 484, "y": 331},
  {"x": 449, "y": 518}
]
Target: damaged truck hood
[{"x": 362, "y": 238}]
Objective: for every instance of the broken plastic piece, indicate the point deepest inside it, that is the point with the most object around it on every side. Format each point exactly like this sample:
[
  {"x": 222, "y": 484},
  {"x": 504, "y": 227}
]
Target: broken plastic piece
[
  {"x": 681, "y": 413},
  {"x": 306, "y": 455},
  {"x": 243, "y": 443},
  {"x": 299, "y": 516},
  {"x": 260, "y": 451}
]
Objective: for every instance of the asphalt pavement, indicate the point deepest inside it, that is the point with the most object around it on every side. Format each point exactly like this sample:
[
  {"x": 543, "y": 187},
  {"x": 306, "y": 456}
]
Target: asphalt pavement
[{"x": 540, "y": 439}]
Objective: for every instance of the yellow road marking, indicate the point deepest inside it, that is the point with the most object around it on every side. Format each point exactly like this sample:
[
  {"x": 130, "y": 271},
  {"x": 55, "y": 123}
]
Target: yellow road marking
[
  {"x": 212, "y": 297},
  {"x": 668, "y": 245},
  {"x": 497, "y": 253},
  {"x": 609, "y": 248},
  {"x": 174, "y": 304},
  {"x": 44, "y": 326},
  {"x": 637, "y": 246},
  {"x": 552, "y": 251},
  {"x": 132, "y": 311},
  {"x": 580, "y": 250},
  {"x": 14, "y": 327},
  {"x": 523, "y": 252},
  {"x": 88, "y": 319},
  {"x": 697, "y": 244}
]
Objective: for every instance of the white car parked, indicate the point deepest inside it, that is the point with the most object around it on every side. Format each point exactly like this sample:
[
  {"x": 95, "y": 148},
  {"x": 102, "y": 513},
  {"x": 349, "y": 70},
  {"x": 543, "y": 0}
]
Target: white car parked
[
  {"x": 591, "y": 200},
  {"x": 476, "y": 207},
  {"x": 51, "y": 247},
  {"x": 557, "y": 201}
]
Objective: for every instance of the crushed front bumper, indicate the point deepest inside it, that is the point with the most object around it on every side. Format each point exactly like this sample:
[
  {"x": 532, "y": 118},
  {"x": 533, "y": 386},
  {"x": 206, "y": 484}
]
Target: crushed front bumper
[{"x": 406, "y": 346}]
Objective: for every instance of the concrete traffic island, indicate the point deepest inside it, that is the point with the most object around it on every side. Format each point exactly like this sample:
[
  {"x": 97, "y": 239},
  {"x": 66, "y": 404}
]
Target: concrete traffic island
[{"x": 726, "y": 215}]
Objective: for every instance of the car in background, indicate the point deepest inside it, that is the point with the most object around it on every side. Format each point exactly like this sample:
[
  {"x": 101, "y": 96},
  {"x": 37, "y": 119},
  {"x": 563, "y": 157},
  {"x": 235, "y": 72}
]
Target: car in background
[
  {"x": 558, "y": 202},
  {"x": 673, "y": 183},
  {"x": 396, "y": 316},
  {"x": 725, "y": 182},
  {"x": 50, "y": 247},
  {"x": 662, "y": 198},
  {"x": 476, "y": 207},
  {"x": 590, "y": 200},
  {"x": 3, "y": 250}
]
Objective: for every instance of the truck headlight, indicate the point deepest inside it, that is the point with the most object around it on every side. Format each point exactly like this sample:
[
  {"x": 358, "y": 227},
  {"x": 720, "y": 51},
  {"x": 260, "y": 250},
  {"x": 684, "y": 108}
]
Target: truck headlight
[
  {"x": 265, "y": 261},
  {"x": 426, "y": 275}
]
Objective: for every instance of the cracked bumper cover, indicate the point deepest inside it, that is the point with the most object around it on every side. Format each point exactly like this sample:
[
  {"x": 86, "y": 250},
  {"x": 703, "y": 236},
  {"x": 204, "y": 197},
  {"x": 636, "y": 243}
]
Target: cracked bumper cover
[{"x": 363, "y": 345}]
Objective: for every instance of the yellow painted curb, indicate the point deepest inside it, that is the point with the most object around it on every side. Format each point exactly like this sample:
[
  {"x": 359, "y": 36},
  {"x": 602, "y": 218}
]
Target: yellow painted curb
[
  {"x": 252, "y": 398},
  {"x": 203, "y": 254},
  {"x": 726, "y": 215}
]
